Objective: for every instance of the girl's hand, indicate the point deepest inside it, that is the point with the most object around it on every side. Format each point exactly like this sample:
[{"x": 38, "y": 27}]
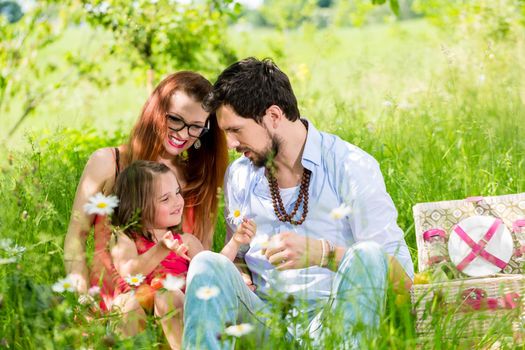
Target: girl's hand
[
  {"x": 174, "y": 245},
  {"x": 245, "y": 232}
]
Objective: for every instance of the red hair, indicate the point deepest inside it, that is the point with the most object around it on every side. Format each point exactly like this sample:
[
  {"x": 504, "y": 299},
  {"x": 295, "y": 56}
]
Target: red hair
[{"x": 204, "y": 168}]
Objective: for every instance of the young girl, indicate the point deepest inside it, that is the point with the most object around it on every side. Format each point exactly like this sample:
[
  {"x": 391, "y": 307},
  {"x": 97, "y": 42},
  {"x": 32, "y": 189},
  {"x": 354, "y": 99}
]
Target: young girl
[{"x": 149, "y": 243}]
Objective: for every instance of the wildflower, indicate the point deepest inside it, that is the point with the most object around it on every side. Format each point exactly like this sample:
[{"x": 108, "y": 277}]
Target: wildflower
[
  {"x": 207, "y": 292},
  {"x": 340, "y": 212},
  {"x": 95, "y": 290},
  {"x": 235, "y": 217},
  {"x": 5, "y": 243},
  {"x": 239, "y": 330},
  {"x": 101, "y": 205},
  {"x": 173, "y": 283},
  {"x": 135, "y": 280},
  {"x": 24, "y": 216},
  {"x": 5, "y": 261},
  {"x": 388, "y": 104},
  {"x": 64, "y": 285}
]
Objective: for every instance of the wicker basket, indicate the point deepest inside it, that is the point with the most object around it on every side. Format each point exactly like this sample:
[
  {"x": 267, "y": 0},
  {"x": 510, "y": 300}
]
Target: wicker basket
[{"x": 469, "y": 308}]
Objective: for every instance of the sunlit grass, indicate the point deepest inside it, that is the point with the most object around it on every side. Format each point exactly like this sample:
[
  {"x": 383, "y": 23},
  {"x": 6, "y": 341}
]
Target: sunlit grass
[{"x": 444, "y": 117}]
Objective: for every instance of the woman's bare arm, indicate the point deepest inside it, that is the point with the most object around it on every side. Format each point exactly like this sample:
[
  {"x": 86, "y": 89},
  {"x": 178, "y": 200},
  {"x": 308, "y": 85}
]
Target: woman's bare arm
[{"x": 98, "y": 172}]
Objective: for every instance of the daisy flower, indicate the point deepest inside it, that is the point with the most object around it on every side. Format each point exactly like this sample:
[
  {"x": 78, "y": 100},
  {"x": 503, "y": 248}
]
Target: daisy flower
[
  {"x": 135, "y": 280},
  {"x": 235, "y": 217},
  {"x": 63, "y": 285},
  {"x": 340, "y": 212},
  {"x": 207, "y": 292},
  {"x": 239, "y": 330},
  {"x": 173, "y": 283},
  {"x": 101, "y": 205}
]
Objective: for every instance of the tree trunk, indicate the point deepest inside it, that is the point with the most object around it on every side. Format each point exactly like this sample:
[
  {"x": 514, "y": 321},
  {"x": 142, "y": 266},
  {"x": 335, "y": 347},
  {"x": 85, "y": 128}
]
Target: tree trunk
[{"x": 150, "y": 80}]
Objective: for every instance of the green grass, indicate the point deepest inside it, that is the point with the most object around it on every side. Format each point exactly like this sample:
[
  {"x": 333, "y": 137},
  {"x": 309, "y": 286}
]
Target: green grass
[{"x": 443, "y": 114}]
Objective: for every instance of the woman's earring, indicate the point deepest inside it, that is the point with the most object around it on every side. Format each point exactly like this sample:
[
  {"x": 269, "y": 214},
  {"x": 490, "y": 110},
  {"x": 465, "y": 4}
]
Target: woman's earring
[{"x": 197, "y": 144}]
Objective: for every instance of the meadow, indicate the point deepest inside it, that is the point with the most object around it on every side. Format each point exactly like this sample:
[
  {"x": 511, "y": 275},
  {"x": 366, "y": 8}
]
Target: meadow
[{"x": 442, "y": 110}]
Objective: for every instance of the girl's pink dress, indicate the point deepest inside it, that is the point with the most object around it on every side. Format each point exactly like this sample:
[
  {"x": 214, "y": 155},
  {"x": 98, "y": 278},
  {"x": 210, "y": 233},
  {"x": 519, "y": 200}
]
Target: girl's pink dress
[
  {"x": 173, "y": 264},
  {"x": 103, "y": 272}
]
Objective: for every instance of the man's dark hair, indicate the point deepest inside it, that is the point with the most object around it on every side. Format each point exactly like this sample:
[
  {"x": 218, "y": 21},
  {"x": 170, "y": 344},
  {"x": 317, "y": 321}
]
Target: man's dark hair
[{"x": 251, "y": 86}]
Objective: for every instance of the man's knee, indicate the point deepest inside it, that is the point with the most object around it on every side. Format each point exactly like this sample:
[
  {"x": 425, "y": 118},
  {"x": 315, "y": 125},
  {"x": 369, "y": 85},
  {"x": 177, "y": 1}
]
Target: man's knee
[
  {"x": 368, "y": 254},
  {"x": 207, "y": 263}
]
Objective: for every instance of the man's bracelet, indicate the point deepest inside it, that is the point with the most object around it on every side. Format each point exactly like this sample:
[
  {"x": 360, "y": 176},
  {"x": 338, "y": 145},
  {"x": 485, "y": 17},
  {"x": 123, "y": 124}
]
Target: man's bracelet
[{"x": 323, "y": 255}]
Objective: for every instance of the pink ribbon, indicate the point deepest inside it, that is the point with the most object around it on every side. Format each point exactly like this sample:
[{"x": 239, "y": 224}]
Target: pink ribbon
[
  {"x": 518, "y": 224},
  {"x": 478, "y": 249},
  {"x": 433, "y": 232},
  {"x": 476, "y": 299}
]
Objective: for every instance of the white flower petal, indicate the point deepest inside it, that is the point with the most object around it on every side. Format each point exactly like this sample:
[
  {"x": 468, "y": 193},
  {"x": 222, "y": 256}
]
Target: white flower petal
[
  {"x": 101, "y": 205},
  {"x": 207, "y": 292},
  {"x": 236, "y": 216},
  {"x": 173, "y": 283},
  {"x": 340, "y": 212},
  {"x": 64, "y": 284},
  {"x": 239, "y": 330},
  {"x": 135, "y": 280}
]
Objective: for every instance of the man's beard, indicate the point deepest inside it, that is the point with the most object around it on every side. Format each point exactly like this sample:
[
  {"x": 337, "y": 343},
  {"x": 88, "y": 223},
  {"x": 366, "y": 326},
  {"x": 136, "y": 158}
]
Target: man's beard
[{"x": 265, "y": 158}]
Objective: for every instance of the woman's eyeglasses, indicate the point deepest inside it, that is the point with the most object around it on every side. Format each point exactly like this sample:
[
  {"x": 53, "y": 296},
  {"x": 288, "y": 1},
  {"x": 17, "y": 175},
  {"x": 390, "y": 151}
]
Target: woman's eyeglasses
[{"x": 177, "y": 124}]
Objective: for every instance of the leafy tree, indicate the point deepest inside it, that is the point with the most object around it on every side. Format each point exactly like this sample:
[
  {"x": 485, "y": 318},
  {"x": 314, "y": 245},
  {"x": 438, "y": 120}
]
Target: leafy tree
[
  {"x": 11, "y": 10},
  {"x": 22, "y": 69},
  {"x": 166, "y": 35}
]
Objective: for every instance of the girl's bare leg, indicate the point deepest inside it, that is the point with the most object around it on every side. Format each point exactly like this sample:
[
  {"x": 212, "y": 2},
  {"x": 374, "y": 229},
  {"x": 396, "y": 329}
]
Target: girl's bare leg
[
  {"x": 169, "y": 307},
  {"x": 133, "y": 316}
]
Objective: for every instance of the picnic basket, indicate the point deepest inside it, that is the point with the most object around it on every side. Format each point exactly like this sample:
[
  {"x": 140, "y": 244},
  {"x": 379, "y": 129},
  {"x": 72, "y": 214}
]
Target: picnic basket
[{"x": 467, "y": 307}]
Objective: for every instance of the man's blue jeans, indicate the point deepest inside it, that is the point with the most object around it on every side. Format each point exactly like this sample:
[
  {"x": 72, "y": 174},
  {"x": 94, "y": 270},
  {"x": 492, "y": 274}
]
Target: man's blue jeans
[{"x": 358, "y": 294}]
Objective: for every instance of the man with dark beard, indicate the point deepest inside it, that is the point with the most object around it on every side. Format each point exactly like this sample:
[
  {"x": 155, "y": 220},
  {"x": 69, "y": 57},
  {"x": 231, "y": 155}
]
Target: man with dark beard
[{"x": 327, "y": 238}]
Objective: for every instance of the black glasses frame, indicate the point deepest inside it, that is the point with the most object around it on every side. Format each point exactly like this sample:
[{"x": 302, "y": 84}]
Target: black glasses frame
[{"x": 176, "y": 119}]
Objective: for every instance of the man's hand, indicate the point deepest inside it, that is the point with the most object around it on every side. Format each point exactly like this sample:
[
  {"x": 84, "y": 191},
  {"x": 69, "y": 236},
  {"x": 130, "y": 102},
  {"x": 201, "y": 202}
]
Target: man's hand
[{"x": 288, "y": 250}]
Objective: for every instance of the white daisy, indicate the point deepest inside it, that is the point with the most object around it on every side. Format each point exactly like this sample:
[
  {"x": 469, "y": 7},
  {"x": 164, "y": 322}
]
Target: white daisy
[
  {"x": 340, "y": 212},
  {"x": 135, "y": 280},
  {"x": 101, "y": 205},
  {"x": 239, "y": 330},
  {"x": 173, "y": 283},
  {"x": 235, "y": 217},
  {"x": 64, "y": 284},
  {"x": 207, "y": 292},
  {"x": 4, "y": 261}
]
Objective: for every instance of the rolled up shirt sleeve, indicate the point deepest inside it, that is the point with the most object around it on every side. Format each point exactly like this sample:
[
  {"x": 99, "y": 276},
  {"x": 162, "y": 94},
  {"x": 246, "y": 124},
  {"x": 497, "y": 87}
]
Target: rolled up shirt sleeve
[{"x": 373, "y": 215}]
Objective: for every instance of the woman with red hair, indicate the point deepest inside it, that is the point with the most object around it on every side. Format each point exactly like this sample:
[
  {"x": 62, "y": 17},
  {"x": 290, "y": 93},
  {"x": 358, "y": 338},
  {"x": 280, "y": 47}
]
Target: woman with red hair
[{"x": 175, "y": 130}]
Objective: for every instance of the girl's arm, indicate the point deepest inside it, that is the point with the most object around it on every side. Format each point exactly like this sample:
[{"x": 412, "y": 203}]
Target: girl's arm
[
  {"x": 244, "y": 234},
  {"x": 128, "y": 261},
  {"x": 194, "y": 245},
  {"x": 99, "y": 169}
]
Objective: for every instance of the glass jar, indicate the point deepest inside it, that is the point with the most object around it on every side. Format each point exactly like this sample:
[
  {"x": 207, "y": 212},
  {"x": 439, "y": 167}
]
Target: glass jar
[{"x": 436, "y": 245}]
